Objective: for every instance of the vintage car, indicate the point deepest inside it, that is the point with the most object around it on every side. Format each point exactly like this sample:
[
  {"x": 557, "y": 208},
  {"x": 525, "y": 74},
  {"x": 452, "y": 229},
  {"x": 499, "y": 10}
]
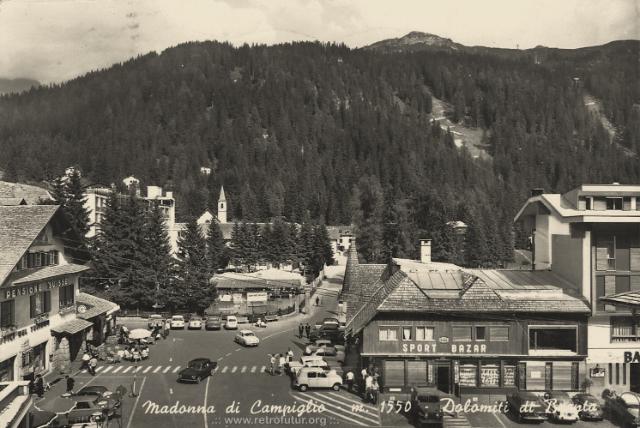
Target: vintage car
[
  {"x": 90, "y": 408},
  {"x": 426, "y": 407},
  {"x": 560, "y": 408},
  {"x": 330, "y": 354},
  {"x": 155, "y": 320},
  {"x": 319, "y": 343},
  {"x": 247, "y": 338},
  {"x": 231, "y": 323},
  {"x": 526, "y": 406},
  {"x": 624, "y": 409},
  {"x": 589, "y": 408},
  {"x": 177, "y": 322},
  {"x": 317, "y": 377},
  {"x": 197, "y": 370},
  {"x": 195, "y": 323},
  {"x": 213, "y": 323}
]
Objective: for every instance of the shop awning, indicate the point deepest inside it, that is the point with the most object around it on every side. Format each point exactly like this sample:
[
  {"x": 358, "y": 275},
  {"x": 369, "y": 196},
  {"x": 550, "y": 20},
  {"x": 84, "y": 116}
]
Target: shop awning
[
  {"x": 72, "y": 327},
  {"x": 627, "y": 298},
  {"x": 90, "y": 306}
]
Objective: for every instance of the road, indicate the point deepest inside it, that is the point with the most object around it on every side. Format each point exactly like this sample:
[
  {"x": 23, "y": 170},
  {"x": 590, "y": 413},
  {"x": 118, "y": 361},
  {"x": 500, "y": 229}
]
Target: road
[{"x": 241, "y": 391}]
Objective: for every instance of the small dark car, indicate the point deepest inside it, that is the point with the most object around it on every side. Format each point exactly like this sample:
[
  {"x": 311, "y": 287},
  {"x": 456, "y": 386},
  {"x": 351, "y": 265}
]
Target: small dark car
[
  {"x": 330, "y": 324},
  {"x": 197, "y": 370},
  {"x": 589, "y": 408},
  {"x": 526, "y": 406},
  {"x": 624, "y": 409},
  {"x": 94, "y": 391},
  {"x": 90, "y": 408},
  {"x": 425, "y": 407},
  {"x": 213, "y": 323}
]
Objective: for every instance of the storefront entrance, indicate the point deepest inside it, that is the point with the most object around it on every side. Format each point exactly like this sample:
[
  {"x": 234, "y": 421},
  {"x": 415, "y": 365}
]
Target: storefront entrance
[
  {"x": 634, "y": 379},
  {"x": 443, "y": 378}
]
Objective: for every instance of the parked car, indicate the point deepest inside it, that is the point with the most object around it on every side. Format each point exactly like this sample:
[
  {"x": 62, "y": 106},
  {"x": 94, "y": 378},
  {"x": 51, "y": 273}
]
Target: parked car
[
  {"x": 560, "y": 408},
  {"x": 177, "y": 322},
  {"x": 247, "y": 338},
  {"x": 231, "y": 323},
  {"x": 94, "y": 391},
  {"x": 526, "y": 406},
  {"x": 195, "y": 323},
  {"x": 213, "y": 323},
  {"x": 329, "y": 353},
  {"x": 624, "y": 409},
  {"x": 90, "y": 408},
  {"x": 589, "y": 408},
  {"x": 294, "y": 367},
  {"x": 425, "y": 406},
  {"x": 197, "y": 370},
  {"x": 155, "y": 320},
  {"x": 316, "y": 377},
  {"x": 319, "y": 343},
  {"x": 330, "y": 324}
]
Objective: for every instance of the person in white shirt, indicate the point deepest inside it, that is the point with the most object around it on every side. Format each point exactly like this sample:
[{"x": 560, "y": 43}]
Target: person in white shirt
[
  {"x": 290, "y": 355},
  {"x": 281, "y": 364},
  {"x": 349, "y": 378}
]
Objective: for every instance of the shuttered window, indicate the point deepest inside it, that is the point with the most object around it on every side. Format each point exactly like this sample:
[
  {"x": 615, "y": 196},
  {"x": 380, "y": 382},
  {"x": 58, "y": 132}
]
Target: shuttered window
[
  {"x": 635, "y": 259},
  {"x": 562, "y": 375},
  {"x": 609, "y": 289},
  {"x": 635, "y": 282},
  {"x": 417, "y": 373},
  {"x": 601, "y": 258},
  {"x": 536, "y": 378},
  {"x": 499, "y": 334},
  {"x": 393, "y": 373}
]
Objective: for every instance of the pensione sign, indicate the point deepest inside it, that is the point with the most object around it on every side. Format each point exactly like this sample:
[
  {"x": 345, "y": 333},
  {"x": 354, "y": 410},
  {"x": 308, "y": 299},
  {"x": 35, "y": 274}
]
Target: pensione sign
[{"x": 28, "y": 290}]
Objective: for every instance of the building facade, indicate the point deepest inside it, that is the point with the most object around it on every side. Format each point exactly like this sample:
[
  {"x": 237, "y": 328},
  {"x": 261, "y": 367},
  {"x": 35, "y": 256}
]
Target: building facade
[
  {"x": 591, "y": 237},
  {"x": 38, "y": 289},
  {"x": 464, "y": 331}
]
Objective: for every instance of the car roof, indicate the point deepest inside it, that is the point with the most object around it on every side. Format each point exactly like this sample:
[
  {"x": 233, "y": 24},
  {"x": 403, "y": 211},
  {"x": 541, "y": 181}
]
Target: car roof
[
  {"x": 83, "y": 399},
  {"x": 231, "y": 316},
  {"x": 558, "y": 394},
  {"x": 422, "y": 390},
  {"x": 526, "y": 394},
  {"x": 199, "y": 360},
  {"x": 177, "y": 316},
  {"x": 94, "y": 387},
  {"x": 246, "y": 331},
  {"x": 155, "y": 316}
]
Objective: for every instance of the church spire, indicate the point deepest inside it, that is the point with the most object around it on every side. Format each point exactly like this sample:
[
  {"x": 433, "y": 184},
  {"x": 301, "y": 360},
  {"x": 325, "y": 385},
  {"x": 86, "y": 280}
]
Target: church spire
[{"x": 222, "y": 207}]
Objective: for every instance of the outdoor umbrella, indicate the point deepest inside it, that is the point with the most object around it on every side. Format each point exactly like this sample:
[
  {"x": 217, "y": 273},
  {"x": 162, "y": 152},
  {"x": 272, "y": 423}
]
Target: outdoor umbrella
[{"x": 139, "y": 333}]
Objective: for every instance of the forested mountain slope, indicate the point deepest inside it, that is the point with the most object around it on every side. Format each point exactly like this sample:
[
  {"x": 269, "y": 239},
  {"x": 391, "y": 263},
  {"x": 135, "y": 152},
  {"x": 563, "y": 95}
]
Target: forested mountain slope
[{"x": 310, "y": 127}]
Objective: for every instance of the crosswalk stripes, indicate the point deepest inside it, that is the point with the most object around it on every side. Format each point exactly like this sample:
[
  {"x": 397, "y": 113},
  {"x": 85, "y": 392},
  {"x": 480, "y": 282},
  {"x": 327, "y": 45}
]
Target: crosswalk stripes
[
  {"x": 342, "y": 406},
  {"x": 97, "y": 370},
  {"x": 459, "y": 421},
  {"x": 124, "y": 369}
]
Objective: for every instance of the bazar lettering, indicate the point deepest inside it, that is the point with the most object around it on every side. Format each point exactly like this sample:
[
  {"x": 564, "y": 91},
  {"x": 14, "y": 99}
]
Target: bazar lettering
[{"x": 432, "y": 348}]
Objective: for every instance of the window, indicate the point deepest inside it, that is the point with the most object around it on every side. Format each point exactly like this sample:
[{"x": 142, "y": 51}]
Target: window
[
  {"x": 406, "y": 333},
  {"x": 39, "y": 259},
  {"x": 387, "y": 334},
  {"x": 490, "y": 375},
  {"x": 588, "y": 203},
  {"x": 499, "y": 334},
  {"x": 40, "y": 303},
  {"x": 606, "y": 253},
  {"x": 614, "y": 203},
  {"x": 461, "y": 333},
  {"x": 509, "y": 376},
  {"x": 312, "y": 375},
  {"x": 424, "y": 333},
  {"x": 67, "y": 296},
  {"x": 7, "y": 313},
  {"x": 553, "y": 339},
  {"x": 481, "y": 333},
  {"x": 468, "y": 375},
  {"x": 625, "y": 329}
]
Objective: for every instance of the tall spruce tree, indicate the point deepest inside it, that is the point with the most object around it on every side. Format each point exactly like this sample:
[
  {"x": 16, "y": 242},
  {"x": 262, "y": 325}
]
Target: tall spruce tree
[
  {"x": 74, "y": 208},
  {"x": 193, "y": 290},
  {"x": 156, "y": 252},
  {"x": 215, "y": 247}
]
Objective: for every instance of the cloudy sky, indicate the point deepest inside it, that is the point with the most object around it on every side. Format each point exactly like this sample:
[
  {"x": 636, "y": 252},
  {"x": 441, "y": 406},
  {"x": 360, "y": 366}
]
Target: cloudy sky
[{"x": 55, "y": 40}]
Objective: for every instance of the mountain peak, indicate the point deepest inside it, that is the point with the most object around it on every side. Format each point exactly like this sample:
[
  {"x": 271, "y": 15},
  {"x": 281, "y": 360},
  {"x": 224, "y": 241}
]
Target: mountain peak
[{"x": 414, "y": 40}]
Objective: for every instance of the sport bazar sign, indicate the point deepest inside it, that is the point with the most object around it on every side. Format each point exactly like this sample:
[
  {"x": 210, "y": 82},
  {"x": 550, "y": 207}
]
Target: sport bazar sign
[
  {"x": 28, "y": 290},
  {"x": 434, "y": 348}
]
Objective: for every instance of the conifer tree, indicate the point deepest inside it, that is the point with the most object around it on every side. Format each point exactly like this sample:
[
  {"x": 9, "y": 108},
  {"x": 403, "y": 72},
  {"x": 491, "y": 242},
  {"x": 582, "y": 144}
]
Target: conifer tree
[
  {"x": 75, "y": 210},
  {"x": 193, "y": 289},
  {"x": 157, "y": 251},
  {"x": 215, "y": 247}
]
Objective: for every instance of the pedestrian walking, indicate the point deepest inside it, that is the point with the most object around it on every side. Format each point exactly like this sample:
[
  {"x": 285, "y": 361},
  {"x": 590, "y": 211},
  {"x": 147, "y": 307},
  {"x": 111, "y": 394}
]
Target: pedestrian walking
[
  {"x": 70, "y": 384},
  {"x": 368, "y": 386},
  {"x": 289, "y": 355},
  {"x": 39, "y": 386},
  {"x": 300, "y": 330},
  {"x": 93, "y": 363},
  {"x": 349, "y": 379},
  {"x": 281, "y": 363},
  {"x": 363, "y": 377},
  {"x": 272, "y": 363},
  {"x": 307, "y": 329},
  {"x": 85, "y": 361},
  {"x": 317, "y": 301}
]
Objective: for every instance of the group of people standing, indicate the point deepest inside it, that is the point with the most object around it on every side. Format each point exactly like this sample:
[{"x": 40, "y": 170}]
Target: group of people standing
[
  {"x": 89, "y": 362},
  {"x": 277, "y": 361},
  {"x": 304, "y": 329}
]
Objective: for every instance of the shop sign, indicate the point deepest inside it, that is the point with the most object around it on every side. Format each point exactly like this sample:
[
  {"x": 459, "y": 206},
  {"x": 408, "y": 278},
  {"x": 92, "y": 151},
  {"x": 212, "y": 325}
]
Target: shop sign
[
  {"x": 58, "y": 282},
  {"x": 237, "y": 297},
  {"x": 434, "y": 348},
  {"x": 631, "y": 357},
  {"x": 225, "y": 298},
  {"x": 597, "y": 372},
  {"x": 443, "y": 339},
  {"x": 257, "y": 297}
]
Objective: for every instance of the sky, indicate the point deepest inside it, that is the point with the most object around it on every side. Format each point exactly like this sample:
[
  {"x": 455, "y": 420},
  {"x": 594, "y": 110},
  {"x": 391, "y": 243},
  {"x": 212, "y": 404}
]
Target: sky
[{"x": 56, "y": 40}]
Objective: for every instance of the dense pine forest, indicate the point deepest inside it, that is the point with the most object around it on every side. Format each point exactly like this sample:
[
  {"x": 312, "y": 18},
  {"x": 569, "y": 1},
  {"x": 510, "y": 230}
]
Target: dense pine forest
[{"x": 342, "y": 135}]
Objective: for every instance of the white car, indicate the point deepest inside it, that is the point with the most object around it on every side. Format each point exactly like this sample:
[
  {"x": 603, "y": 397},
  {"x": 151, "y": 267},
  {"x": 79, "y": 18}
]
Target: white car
[
  {"x": 320, "y": 343},
  {"x": 231, "y": 323},
  {"x": 306, "y": 361},
  {"x": 177, "y": 322},
  {"x": 316, "y": 377},
  {"x": 560, "y": 407},
  {"x": 195, "y": 323},
  {"x": 247, "y": 338}
]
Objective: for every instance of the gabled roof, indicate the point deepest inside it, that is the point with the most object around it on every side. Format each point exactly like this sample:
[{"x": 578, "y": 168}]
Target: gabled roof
[
  {"x": 13, "y": 201},
  {"x": 627, "y": 298},
  {"x": 31, "y": 194},
  {"x": 39, "y": 274},
  {"x": 19, "y": 227},
  {"x": 95, "y": 306}
]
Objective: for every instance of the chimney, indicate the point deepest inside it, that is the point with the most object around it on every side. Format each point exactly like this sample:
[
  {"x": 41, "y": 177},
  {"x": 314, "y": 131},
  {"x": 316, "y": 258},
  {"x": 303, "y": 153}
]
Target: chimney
[
  {"x": 169, "y": 195},
  {"x": 537, "y": 191},
  {"x": 154, "y": 192},
  {"x": 425, "y": 251}
]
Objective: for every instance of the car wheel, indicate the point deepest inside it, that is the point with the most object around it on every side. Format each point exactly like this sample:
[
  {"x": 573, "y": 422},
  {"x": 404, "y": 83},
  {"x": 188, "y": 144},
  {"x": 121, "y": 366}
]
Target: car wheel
[
  {"x": 303, "y": 388},
  {"x": 336, "y": 387},
  {"x": 212, "y": 372},
  {"x": 198, "y": 379}
]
